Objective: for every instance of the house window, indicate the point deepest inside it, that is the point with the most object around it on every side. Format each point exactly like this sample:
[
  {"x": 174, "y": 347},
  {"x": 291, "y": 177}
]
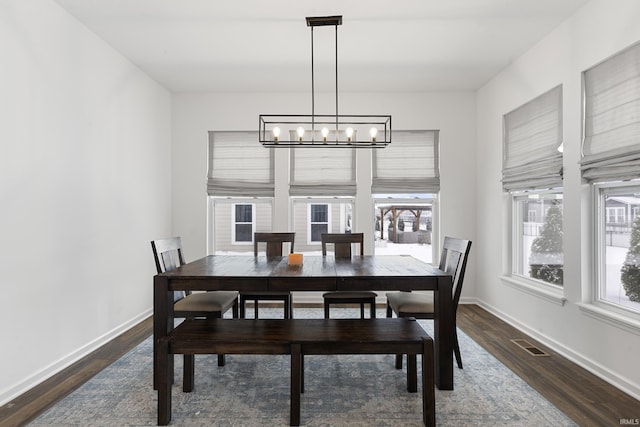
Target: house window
[
  {"x": 537, "y": 237},
  {"x": 318, "y": 222},
  {"x": 312, "y": 216},
  {"x": 611, "y": 165},
  {"x": 618, "y": 245},
  {"x": 532, "y": 176},
  {"x": 405, "y": 225},
  {"x": 232, "y": 221},
  {"x": 615, "y": 214},
  {"x": 243, "y": 223}
]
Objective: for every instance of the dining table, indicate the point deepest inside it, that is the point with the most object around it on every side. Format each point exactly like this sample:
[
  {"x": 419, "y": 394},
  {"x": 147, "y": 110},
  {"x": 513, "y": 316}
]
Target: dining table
[{"x": 315, "y": 273}]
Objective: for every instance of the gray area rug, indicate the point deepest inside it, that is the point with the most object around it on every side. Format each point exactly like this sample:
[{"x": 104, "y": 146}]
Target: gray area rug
[{"x": 345, "y": 390}]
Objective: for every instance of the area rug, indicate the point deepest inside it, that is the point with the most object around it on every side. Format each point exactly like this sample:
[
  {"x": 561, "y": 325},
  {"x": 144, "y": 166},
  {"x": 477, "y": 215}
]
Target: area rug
[{"x": 344, "y": 390}]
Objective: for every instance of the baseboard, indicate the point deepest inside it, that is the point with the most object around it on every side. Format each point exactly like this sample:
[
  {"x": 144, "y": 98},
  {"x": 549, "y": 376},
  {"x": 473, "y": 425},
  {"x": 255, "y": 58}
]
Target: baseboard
[
  {"x": 32, "y": 381},
  {"x": 596, "y": 369}
]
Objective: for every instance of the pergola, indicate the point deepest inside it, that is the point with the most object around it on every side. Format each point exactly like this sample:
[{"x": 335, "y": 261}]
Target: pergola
[{"x": 396, "y": 211}]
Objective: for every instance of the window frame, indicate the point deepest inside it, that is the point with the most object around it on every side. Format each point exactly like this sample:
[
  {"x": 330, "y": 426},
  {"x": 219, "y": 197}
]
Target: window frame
[
  {"x": 599, "y": 271},
  {"x": 310, "y": 223},
  {"x": 235, "y": 223},
  {"x": 411, "y": 199},
  {"x": 517, "y": 259},
  {"x": 338, "y": 219},
  {"x": 222, "y": 206}
]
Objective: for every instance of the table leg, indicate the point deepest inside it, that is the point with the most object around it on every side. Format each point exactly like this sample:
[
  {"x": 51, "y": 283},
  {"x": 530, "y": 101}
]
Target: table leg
[
  {"x": 296, "y": 369},
  {"x": 188, "y": 380},
  {"x": 164, "y": 374},
  {"x": 162, "y": 319},
  {"x": 443, "y": 328},
  {"x": 412, "y": 373},
  {"x": 428, "y": 391}
]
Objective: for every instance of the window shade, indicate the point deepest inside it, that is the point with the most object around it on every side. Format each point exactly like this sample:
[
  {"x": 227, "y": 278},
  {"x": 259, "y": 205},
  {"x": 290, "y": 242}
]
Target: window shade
[
  {"x": 239, "y": 166},
  {"x": 532, "y": 135},
  {"x": 322, "y": 172},
  {"x": 611, "y": 146},
  {"x": 409, "y": 164}
]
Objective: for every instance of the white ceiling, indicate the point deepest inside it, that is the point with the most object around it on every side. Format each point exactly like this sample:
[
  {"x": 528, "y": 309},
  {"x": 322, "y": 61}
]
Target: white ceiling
[{"x": 265, "y": 46}]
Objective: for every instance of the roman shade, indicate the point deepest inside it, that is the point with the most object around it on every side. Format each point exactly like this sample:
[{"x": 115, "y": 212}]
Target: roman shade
[
  {"x": 409, "y": 164},
  {"x": 238, "y": 166},
  {"x": 322, "y": 172},
  {"x": 532, "y": 135},
  {"x": 611, "y": 145}
]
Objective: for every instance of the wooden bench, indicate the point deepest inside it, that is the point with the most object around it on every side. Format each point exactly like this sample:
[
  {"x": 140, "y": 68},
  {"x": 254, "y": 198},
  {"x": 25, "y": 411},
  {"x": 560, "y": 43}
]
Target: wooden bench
[{"x": 297, "y": 337}]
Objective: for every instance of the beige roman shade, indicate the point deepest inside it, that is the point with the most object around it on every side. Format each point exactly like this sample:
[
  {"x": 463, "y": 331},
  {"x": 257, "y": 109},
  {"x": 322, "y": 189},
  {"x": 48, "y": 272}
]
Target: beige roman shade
[
  {"x": 611, "y": 146},
  {"x": 409, "y": 164},
  {"x": 532, "y": 135},
  {"x": 239, "y": 166}
]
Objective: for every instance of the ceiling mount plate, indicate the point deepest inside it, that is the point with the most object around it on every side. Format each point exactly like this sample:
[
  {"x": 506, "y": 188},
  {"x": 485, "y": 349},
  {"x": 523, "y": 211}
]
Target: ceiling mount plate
[{"x": 317, "y": 21}]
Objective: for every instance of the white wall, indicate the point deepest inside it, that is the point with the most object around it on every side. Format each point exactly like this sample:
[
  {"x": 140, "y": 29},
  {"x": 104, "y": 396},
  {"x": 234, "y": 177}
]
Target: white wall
[
  {"x": 196, "y": 114},
  {"x": 595, "y": 32},
  {"x": 84, "y": 186}
]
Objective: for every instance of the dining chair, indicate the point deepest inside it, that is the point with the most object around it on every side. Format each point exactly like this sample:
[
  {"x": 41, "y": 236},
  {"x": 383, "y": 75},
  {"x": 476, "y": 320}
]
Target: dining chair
[
  {"x": 453, "y": 260},
  {"x": 342, "y": 248},
  {"x": 211, "y": 305},
  {"x": 274, "y": 244}
]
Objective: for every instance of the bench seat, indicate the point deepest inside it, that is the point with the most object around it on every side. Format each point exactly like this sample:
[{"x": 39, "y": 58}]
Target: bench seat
[{"x": 298, "y": 337}]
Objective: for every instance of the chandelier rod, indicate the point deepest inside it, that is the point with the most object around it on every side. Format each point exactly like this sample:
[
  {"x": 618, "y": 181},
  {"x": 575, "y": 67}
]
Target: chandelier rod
[
  {"x": 313, "y": 91},
  {"x": 336, "y": 80}
]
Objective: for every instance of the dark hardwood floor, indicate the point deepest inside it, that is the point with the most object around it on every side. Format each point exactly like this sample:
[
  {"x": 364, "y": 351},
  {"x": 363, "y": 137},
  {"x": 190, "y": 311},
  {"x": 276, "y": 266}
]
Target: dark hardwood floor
[
  {"x": 585, "y": 398},
  {"x": 582, "y": 396}
]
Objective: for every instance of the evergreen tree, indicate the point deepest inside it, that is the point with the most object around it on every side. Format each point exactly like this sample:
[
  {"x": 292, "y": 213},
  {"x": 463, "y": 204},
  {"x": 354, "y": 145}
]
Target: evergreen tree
[
  {"x": 631, "y": 268},
  {"x": 546, "y": 250}
]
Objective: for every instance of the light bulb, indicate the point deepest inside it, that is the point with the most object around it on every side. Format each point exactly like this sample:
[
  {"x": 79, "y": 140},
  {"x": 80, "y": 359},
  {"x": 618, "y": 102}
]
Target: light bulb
[
  {"x": 373, "y": 132},
  {"x": 325, "y": 133},
  {"x": 349, "y": 132},
  {"x": 300, "y": 132},
  {"x": 276, "y": 133}
]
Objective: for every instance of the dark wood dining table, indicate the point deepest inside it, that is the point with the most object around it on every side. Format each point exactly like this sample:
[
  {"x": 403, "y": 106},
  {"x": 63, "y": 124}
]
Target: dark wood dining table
[{"x": 317, "y": 273}]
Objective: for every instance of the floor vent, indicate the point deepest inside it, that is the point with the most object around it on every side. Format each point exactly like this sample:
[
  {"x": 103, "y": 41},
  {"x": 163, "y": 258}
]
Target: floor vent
[{"x": 530, "y": 348}]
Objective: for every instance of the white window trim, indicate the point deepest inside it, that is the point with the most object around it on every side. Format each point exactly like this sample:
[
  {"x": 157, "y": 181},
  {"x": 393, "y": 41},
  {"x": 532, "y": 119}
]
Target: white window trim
[
  {"x": 610, "y": 316},
  {"x": 234, "y": 222},
  {"x": 538, "y": 288},
  {"x": 309, "y": 223},
  {"x": 598, "y": 308}
]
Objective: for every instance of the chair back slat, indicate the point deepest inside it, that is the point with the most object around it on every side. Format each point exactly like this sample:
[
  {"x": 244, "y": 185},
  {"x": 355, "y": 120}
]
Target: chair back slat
[
  {"x": 168, "y": 256},
  {"x": 453, "y": 260},
  {"x": 274, "y": 242},
  {"x": 342, "y": 243}
]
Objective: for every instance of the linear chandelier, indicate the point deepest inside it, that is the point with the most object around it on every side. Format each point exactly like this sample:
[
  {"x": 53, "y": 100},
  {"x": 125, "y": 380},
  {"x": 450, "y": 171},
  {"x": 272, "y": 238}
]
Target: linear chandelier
[{"x": 324, "y": 130}]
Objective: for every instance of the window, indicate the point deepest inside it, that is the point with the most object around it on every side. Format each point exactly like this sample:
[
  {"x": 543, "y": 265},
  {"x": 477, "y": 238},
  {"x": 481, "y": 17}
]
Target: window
[
  {"x": 615, "y": 214},
  {"x": 232, "y": 222},
  {"x": 318, "y": 222},
  {"x": 532, "y": 176},
  {"x": 240, "y": 185},
  {"x": 243, "y": 224},
  {"x": 404, "y": 225},
  {"x": 611, "y": 164},
  {"x": 618, "y": 243},
  {"x": 405, "y": 184},
  {"x": 537, "y": 237},
  {"x": 313, "y": 216}
]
